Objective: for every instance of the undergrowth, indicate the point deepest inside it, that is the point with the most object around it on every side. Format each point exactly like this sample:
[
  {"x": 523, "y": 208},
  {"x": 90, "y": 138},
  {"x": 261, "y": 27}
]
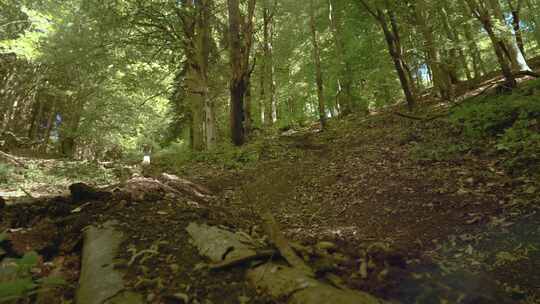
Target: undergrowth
[
  {"x": 53, "y": 174},
  {"x": 506, "y": 125},
  {"x": 224, "y": 155},
  {"x": 6, "y": 173},
  {"x": 18, "y": 282}
]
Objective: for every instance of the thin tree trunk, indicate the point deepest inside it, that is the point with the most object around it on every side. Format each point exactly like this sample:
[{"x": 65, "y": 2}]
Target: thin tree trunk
[
  {"x": 344, "y": 83},
  {"x": 395, "y": 53},
  {"x": 268, "y": 53},
  {"x": 248, "y": 125},
  {"x": 262, "y": 97},
  {"x": 481, "y": 12},
  {"x": 318, "y": 71},
  {"x": 516, "y": 23},
  {"x": 508, "y": 40},
  {"x": 441, "y": 78}
]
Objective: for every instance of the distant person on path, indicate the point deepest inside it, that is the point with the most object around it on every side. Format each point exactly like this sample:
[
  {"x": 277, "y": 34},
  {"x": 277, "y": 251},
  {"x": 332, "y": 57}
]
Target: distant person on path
[{"x": 147, "y": 150}]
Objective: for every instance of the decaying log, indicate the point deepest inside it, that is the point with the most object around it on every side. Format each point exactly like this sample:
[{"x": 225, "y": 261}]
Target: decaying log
[
  {"x": 185, "y": 186},
  {"x": 100, "y": 282},
  {"x": 219, "y": 245},
  {"x": 283, "y": 282},
  {"x": 278, "y": 239},
  {"x": 259, "y": 255},
  {"x": 144, "y": 189},
  {"x": 11, "y": 159}
]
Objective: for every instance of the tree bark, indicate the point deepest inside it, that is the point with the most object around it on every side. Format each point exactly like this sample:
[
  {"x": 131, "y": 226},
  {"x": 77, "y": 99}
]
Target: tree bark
[
  {"x": 481, "y": 11},
  {"x": 344, "y": 83},
  {"x": 318, "y": 70},
  {"x": 197, "y": 32},
  {"x": 441, "y": 78},
  {"x": 508, "y": 40},
  {"x": 268, "y": 68},
  {"x": 240, "y": 41},
  {"x": 516, "y": 23},
  {"x": 394, "y": 48}
]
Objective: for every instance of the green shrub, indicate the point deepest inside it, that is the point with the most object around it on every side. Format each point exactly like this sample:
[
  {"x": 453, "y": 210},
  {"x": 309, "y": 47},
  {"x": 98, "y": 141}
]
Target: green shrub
[
  {"x": 21, "y": 284},
  {"x": 6, "y": 172},
  {"x": 511, "y": 121},
  {"x": 224, "y": 155}
]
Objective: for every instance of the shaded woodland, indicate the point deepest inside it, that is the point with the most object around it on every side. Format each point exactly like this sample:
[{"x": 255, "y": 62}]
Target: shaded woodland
[{"x": 269, "y": 151}]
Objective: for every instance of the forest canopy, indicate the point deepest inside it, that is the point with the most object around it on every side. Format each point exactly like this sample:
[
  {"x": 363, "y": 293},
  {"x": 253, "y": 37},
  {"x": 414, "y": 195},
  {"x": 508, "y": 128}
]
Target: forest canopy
[{"x": 95, "y": 79}]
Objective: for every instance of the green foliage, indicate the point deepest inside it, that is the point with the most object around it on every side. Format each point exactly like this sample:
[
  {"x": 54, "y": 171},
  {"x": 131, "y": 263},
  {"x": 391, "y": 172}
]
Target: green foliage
[
  {"x": 511, "y": 121},
  {"x": 78, "y": 170},
  {"x": 224, "y": 155},
  {"x": 55, "y": 174},
  {"x": 504, "y": 124},
  {"x": 438, "y": 151},
  {"x": 22, "y": 284},
  {"x": 6, "y": 172},
  {"x": 16, "y": 289},
  {"x": 227, "y": 156}
]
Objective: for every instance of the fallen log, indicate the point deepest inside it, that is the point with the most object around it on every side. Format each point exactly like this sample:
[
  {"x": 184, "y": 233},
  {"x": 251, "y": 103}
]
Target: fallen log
[
  {"x": 259, "y": 255},
  {"x": 278, "y": 239},
  {"x": 219, "y": 245},
  {"x": 100, "y": 282},
  {"x": 283, "y": 282},
  {"x": 11, "y": 159},
  {"x": 185, "y": 186}
]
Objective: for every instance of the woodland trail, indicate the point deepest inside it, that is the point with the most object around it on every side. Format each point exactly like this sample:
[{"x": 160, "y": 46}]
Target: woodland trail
[
  {"x": 457, "y": 222},
  {"x": 399, "y": 227}
]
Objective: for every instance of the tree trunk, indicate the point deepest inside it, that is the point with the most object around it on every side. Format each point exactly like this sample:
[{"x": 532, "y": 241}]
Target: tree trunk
[
  {"x": 441, "y": 78},
  {"x": 517, "y": 31},
  {"x": 268, "y": 81},
  {"x": 397, "y": 58},
  {"x": 508, "y": 40},
  {"x": 197, "y": 30},
  {"x": 481, "y": 12},
  {"x": 240, "y": 41},
  {"x": 498, "y": 47},
  {"x": 318, "y": 71},
  {"x": 248, "y": 125},
  {"x": 262, "y": 97},
  {"x": 344, "y": 83}
]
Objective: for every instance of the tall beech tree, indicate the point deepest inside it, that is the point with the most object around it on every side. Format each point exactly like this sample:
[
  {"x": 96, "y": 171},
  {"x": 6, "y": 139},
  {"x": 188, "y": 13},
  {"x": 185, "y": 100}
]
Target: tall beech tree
[
  {"x": 317, "y": 62},
  {"x": 240, "y": 44},
  {"x": 386, "y": 18}
]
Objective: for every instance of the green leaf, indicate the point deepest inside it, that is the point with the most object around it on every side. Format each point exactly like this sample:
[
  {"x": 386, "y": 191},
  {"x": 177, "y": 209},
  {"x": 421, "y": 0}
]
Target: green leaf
[
  {"x": 15, "y": 289},
  {"x": 52, "y": 281},
  {"x": 3, "y": 236},
  {"x": 29, "y": 260}
]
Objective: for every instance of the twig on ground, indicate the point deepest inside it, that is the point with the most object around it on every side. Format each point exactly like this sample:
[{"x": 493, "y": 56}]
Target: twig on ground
[
  {"x": 281, "y": 243},
  {"x": 265, "y": 254},
  {"x": 26, "y": 192},
  {"x": 12, "y": 159},
  {"x": 423, "y": 119}
]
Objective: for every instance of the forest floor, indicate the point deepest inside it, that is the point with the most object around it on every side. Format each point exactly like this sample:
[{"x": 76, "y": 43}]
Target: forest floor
[
  {"x": 407, "y": 226},
  {"x": 459, "y": 229}
]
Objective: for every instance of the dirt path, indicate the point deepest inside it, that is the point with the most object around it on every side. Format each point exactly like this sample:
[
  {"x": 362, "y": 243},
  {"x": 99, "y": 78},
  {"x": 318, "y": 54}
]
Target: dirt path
[
  {"x": 362, "y": 188},
  {"x": 396, "y": 226}
]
